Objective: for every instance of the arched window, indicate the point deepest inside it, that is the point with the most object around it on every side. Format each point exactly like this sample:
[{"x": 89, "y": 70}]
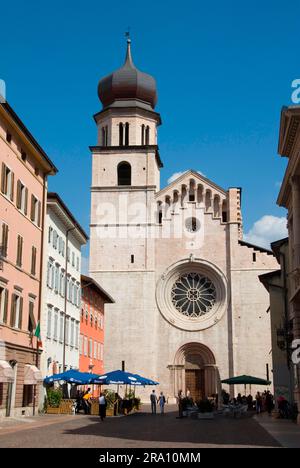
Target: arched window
[
  {"x": 147, "y": 135},
  {"x": 104, "y": 136},
  {"x": 121, "y": 133},
  {"x": 124, "y": 173},
  {"x": 127, "y": 134},
  {"x": 143, "y": 135}
]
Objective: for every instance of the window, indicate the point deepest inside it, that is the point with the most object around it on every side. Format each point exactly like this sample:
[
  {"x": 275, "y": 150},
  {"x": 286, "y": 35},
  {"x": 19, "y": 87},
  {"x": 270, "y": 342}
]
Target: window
[
  {"x": 22, "y": 197},
  {"x": 90, "y": 348},
  {"x": 55, "y": 238},
  {"x": 72, "y": 332},
  {"x": 77, "y": 263},
  {"x": 67, "y": 329},
  {"x": 23, "y": 155},
  {"x": 68, "y": 254},
  {"x": 8, "y": 137},
  {"x": 62, "y": 283},
  {"x": 76, "y": 334},
  {"x": 49, "y": 322},
  {"x": 31, "y": 318},
  {"x": 4, "y": 240},
  {"x": 124, "y": 173},
  {"x": 121, "y": 134},
  {"x": 7, "y": 182},
  {"x": 27, "y": 395},
  {"x": 147, "y": 135},
  {"x": 192, "y": 224},
  {"x": 56, "y": 278},
  {"x": 35, "y": 212},
  {"x": 55, "y": 329},
  {"x": 33, "y": 260},
  {"x": 91, "y": 319},
  {"x": 85, "y": 345},
  {"x": 95, "y": 349},
  {"x": 50, "y": 234},
  {"x": 81, "y": 344},
  {"x": 73, "y": 259},
  {"x": 50, "y": 274},
  {"x": 132, "y": 258},
  {"x": 254, "y": 257},
  {"x": 101, "y": 321},
  {"x": 105, "y": 136},
  {"x": 16, "y": 311},
  {"x": 19, "y": 251},
  {"x": 3, "y": 304},
  {"x": 61, "y": 327},
  {"x": 143, "y": 135},
  {"x": 101, "y": 352},
  {"x": 127, "y": 134}
]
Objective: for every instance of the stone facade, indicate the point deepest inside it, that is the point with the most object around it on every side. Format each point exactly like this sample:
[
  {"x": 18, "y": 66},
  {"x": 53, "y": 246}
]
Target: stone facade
[{"x": 146, "y": 242}]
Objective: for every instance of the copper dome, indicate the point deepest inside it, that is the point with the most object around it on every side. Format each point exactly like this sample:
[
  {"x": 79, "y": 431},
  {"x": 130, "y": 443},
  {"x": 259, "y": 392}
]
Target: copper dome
[{"x": 128, "y": 84}]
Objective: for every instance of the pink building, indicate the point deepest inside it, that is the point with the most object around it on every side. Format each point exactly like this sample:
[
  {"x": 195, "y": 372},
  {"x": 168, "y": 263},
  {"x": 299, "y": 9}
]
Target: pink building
[{"x": 24, "y": 168}]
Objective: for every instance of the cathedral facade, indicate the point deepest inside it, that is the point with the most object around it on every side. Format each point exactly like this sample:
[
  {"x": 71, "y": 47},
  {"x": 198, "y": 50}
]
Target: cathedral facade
[{"x": 189, "y": 307}]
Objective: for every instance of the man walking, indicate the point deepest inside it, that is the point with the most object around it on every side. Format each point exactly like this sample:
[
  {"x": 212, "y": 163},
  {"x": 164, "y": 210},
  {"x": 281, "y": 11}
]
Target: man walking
[
  {"x": 153, "y": 402},
  {"x": 102, "y": 406}
]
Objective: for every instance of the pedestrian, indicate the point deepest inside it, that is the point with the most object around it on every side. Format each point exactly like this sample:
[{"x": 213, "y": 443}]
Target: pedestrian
[
  {"x": 269, "y": 402},
  {"x": 102, "y": 406},
  {"x": 86, "y": 401},
  {"x": 258, "y": 400},
  {"x": 180, "y": 404},
  {"x": 162, "y": 401},
  {"x": 153, "y": 402}
]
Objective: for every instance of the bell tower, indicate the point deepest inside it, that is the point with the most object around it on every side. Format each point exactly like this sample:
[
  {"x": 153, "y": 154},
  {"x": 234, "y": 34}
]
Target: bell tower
[{"x": 126, "y": 171}]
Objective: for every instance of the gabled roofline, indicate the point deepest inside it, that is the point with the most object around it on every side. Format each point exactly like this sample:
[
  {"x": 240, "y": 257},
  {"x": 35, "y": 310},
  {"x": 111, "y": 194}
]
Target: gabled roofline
[
  {"x": 256, "y": 247},
  {"x": 54, "y": 197},
  {"x": 16, "y": 119},
  {"x": 90, "y": 281},
  {"x": 195, "y": 174}
]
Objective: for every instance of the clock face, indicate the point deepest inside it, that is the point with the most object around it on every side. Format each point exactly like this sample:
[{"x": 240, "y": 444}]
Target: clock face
[{"x": 192, "y": 224}]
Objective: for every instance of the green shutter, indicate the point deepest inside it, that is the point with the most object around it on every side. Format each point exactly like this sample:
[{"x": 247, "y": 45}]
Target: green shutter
[
  {"x": 19, "y": 194},
  {"x": 26, "y": 201},
  {"x": 39, "y": 214},
  {"x": 3, "y": 178},
  {"x": 12, "y": 186}
]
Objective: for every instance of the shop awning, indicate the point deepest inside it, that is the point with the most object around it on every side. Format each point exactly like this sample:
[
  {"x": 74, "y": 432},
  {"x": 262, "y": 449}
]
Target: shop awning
[
  {"x": 32, "y": 375},
  {"x": 6, "y": 372}
]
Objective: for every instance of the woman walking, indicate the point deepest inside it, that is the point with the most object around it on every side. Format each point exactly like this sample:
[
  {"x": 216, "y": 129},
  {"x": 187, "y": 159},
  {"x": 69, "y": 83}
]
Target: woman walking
[{"x": 162, "y": 401}]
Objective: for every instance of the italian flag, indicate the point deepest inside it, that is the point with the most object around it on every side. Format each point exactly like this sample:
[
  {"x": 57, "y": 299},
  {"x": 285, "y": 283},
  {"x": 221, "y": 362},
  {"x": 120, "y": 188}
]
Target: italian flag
[{"x": 37, "y": 333}]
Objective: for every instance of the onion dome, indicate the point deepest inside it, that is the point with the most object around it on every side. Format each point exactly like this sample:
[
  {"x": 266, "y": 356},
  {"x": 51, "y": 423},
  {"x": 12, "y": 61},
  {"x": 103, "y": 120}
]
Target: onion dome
[{"x": 128, "y": 86}]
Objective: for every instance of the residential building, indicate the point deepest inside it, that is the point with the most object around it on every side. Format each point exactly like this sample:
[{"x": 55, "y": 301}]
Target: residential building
[
  {"x": 25, "y": 168},
  {"x": 278, "y": 284},
  {"x": 61, "y": 315},
  {"x": 91, "y": 344},
  {"x": 289, "y": 197}
]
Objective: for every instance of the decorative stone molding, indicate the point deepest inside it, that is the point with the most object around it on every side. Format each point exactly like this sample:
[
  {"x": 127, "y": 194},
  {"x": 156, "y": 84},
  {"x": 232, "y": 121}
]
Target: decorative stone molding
[{"x": 164, "y": 297}]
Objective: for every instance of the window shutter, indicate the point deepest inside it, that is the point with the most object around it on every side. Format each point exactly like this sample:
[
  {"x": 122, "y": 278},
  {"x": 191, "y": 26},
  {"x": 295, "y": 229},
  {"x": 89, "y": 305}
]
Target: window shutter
[
  {"x": 13, "y": 310},
  {"x": 26, "y": 201},
  {"x": 18, "y": 194},
  {"x": 39, "y": 214},
  {"x": 3, "y": 178},
  {"x": 12, "y": 187},
  {"x": 32, "y": 208},
  {"x": 20, "y": 312},
  {"x": 4, "y": 239},
  {"x": 5, "y": 306}
]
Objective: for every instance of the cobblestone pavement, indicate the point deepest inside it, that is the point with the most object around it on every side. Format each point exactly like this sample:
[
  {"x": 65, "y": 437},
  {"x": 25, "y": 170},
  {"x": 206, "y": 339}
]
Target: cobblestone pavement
[{"x": 138, "y": 430}]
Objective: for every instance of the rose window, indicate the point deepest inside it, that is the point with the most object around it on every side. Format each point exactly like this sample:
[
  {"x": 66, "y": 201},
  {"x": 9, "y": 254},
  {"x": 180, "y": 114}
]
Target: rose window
[{"x": 193, "y": 294}]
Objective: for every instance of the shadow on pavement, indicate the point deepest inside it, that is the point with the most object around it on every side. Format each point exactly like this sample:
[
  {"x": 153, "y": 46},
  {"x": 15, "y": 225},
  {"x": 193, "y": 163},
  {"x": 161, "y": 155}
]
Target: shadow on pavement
[{"x": 144, "y": 426}]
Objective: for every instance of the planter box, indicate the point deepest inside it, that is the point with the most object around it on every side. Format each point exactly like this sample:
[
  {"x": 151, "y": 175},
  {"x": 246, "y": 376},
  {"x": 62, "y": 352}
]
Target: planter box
[
  {"x": 51, "y": 410},
  {"x": 205, "y": 415}
]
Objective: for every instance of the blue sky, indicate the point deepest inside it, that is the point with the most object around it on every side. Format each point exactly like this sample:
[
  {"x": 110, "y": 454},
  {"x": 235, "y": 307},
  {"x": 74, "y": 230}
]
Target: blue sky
[{"x": 223, "y": 70}]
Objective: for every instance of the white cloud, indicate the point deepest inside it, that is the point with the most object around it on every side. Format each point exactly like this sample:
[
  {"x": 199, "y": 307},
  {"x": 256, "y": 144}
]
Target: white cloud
[
  {"x": 178, "y": 174},
  {"x": 266, "y": 230},
  {"x": 84, "y": 265}
]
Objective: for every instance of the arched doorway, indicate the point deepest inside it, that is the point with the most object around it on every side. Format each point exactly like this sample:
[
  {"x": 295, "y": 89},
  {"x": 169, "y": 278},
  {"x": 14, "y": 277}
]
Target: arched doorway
[{"x": 195, "y": 370}]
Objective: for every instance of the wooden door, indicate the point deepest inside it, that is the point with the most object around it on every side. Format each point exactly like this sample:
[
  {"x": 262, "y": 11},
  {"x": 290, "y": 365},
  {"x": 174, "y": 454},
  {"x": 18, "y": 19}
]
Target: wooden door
[{"x": 194, "y": 381}]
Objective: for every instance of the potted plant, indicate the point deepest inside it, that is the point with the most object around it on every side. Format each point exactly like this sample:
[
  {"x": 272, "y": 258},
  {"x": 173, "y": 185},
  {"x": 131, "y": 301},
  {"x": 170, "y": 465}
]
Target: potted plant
[
  {"x": 54, "y": 397},
  {"x": 205, "y": 407}
]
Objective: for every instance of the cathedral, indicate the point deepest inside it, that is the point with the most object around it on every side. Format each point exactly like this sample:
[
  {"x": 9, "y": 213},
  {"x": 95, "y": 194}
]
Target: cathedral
[{"x": 189, "y": 307}]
